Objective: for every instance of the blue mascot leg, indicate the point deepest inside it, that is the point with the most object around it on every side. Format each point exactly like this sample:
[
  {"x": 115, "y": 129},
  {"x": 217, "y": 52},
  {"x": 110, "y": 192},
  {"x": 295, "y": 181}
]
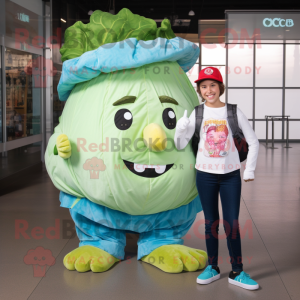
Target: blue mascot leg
[
  {"x": 90, "y": 233},
  {"x": 150, "y": 240}
]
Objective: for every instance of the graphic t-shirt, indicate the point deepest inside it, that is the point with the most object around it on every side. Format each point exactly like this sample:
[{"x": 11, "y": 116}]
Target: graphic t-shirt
[
  {"x": 216, "y": 140},
  {"x": 216, "y": 150}
]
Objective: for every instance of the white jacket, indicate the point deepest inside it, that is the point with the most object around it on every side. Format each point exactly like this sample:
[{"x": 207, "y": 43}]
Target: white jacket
[{"x": 216, "y": 150}]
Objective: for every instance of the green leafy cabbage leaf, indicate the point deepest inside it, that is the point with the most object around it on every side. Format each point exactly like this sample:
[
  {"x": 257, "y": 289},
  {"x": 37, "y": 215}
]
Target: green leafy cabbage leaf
[{"x": 106, "y": 28}]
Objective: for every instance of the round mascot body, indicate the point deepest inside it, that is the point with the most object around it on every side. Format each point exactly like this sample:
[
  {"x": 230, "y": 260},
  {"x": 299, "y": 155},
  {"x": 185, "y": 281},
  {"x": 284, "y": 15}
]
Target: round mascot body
[{"x": 112, "y": 155}]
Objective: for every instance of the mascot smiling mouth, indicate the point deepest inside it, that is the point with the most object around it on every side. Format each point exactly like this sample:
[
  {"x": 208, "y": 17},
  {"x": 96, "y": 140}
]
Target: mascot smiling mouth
[{"x": 148, "y": 171}]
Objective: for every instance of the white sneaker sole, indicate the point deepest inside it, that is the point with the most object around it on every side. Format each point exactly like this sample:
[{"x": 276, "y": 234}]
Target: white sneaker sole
[
  {"x": 243, "y": 285},
  {"x": 209, "y": 280}
]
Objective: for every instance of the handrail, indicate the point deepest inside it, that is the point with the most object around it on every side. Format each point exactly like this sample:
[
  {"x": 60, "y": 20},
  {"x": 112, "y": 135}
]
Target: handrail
[{"x": 267, "y": 130}]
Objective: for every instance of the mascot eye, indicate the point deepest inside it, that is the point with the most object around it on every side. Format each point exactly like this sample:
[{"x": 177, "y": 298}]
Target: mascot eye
[
  {"x": 169, "y": 118},
  {"x": 123, "y": 119}
]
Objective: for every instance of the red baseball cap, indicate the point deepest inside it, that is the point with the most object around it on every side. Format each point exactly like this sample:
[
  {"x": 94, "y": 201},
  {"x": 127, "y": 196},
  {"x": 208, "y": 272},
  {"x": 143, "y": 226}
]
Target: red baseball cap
[{"x": 210, "y": 73}]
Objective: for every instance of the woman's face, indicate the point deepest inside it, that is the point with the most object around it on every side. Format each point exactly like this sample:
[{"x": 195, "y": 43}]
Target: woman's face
[{"x": 210, "y": 91}]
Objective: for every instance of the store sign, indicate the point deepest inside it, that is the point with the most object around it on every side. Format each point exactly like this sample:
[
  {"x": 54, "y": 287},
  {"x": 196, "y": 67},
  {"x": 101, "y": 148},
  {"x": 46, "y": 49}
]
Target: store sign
[
  {"x": 22, "y": 17},
  {"x": 277, "y": 22},
  {"x": 262, "y": 26}
]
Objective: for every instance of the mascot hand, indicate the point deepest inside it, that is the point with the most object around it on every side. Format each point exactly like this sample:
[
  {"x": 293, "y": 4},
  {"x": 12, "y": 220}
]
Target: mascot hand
[
  {"x": 183, "y": 122},
  {"x": 63, "y": 146}
]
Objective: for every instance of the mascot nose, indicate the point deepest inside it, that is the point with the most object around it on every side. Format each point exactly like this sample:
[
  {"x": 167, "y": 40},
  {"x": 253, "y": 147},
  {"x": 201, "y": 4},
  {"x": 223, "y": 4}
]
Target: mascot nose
[{"x": 155, "y": 137}]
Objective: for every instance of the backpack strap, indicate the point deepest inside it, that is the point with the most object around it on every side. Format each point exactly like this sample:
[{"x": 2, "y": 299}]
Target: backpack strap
[
  {"x": 232, "y": 119},
  {"x": 199, "y": 117}
]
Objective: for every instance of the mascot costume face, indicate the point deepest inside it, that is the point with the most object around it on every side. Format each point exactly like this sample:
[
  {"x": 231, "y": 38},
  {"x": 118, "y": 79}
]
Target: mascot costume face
[{"x": 112, "y": 155}]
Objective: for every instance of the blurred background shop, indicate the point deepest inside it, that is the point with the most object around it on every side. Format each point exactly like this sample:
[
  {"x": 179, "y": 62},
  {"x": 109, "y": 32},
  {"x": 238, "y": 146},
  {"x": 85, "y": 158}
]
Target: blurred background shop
[
  {"x": 257, "y": 52},
  {"x": 24, "y": 85}
]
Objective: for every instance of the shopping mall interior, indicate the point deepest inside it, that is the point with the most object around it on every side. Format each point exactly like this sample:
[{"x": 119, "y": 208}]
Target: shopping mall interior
[{"x": 54, "y": 50}]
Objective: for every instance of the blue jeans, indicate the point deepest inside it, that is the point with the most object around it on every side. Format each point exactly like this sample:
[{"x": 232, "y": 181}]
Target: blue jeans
[{"x": 209, "y": 186}]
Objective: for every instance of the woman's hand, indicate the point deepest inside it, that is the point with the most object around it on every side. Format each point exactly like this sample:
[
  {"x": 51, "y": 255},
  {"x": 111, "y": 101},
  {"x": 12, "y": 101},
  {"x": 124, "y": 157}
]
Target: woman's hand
[{"x": 246, "y": 180}]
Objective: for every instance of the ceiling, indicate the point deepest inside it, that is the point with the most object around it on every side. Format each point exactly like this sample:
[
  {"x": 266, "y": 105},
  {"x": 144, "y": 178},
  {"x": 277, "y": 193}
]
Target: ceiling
[{"x": 76, "y": 10}]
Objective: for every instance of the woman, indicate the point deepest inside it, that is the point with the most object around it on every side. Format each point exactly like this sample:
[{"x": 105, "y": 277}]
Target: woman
[{"x": 218, "y": 171}]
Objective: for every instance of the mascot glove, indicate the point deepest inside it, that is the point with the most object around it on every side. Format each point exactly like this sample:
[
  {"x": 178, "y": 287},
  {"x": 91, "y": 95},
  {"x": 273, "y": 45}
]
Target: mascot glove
[
  {"x": 183, "y": 123},
  {"x": 63, "y": 146}
]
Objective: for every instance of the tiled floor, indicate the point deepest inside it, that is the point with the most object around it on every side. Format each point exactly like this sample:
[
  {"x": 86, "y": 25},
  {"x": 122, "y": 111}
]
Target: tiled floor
[{"x": 270, "y": 207}]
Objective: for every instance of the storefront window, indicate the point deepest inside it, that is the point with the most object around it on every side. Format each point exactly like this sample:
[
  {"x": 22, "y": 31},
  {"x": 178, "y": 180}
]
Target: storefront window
[
  {"x": 240, "y": 65},
  {"x": 292, "y": 97},
  {"x": 24, "y": 22},
  {"x": 192, "y": 74},
  {"x": 292, "y": 76},
  {"x": 23, "y": 93},
  {"x": 268, "y": 102},
  {"x": 1, "y": 139},
  {"x": 269, "y": 65},
  {"x": 213, "y": 54},
  {"x": 243, "y": 98},
  {"x": 58, "y": 105},
  {"x": 260, "y": 129}
]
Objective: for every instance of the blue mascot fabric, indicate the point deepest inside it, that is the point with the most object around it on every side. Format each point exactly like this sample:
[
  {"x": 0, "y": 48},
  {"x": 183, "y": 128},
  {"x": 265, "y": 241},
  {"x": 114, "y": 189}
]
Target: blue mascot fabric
[
  {"x": 105, "y": 228},
  {"x": 127, "y": 54}
]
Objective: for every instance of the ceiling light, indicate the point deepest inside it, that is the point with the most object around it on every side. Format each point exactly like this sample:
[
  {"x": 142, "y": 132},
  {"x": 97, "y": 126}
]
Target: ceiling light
[
  {"x": 191, "y": 13},
  {"x": 63, "y": 20},
  {"x": 287, "y": 30},
  {"x": 90, "y": 12}
]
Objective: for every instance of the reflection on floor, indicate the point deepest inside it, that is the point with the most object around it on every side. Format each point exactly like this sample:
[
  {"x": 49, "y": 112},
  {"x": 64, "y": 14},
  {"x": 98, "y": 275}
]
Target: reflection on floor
[
  {"x": 270, "y": 204},
  {"x": 15, "y": 160}
]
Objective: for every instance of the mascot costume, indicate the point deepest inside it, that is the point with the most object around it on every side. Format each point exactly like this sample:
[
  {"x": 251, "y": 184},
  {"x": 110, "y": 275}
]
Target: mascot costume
[{"x": 112, "y": 155}]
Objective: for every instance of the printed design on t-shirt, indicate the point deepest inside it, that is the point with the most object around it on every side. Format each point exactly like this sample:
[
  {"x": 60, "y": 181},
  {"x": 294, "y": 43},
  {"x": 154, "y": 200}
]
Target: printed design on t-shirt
[{"x": 215, "y": 135}]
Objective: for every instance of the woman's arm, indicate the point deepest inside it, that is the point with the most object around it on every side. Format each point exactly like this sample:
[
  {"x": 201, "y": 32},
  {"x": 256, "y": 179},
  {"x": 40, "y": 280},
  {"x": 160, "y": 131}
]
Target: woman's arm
[
  {"x": 253, "y": 144},
  {"x": 183, "y": 135}
]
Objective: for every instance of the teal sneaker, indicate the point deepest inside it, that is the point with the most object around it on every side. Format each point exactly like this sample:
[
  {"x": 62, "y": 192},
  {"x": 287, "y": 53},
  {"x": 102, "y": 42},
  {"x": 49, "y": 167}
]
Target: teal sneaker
[
  {"x": 209, "y": 275},
  {"x": 243, "y": 280}
]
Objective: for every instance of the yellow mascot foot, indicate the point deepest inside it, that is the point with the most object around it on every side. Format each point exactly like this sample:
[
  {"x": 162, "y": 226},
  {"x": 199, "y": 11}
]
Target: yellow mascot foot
[
  {"x": 86, "y": 258},
  {"x": 176, "y": 258}
]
